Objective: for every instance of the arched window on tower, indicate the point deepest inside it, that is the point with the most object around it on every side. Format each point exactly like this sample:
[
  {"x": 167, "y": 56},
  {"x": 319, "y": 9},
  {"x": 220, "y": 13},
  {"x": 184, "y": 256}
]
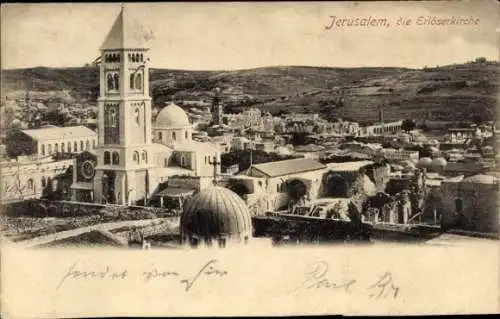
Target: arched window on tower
[
  {"x": 107, "y": 159},
  {"x": 160, "y": 136},
  {"x": 144, "y": 157},
  {"x": 136, "y": 116},
  {"x": 137, "y": 57},
  {"x": 132, "y": 82},
  {"x": 133, "y": 57},
  {"x": 136, "y": 157},
  {"x": 138, "y": 82},
  {"x": 112, "y": 117},
  {"x": 110, "y": 82},
  {"x": 116, "y": 158},
  {"x": 117, "y": 81}
]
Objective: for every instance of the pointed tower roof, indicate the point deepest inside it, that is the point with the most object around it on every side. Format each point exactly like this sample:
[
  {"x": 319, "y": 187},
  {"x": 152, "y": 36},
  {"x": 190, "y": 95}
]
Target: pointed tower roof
[{"x": 126, "y": 33}]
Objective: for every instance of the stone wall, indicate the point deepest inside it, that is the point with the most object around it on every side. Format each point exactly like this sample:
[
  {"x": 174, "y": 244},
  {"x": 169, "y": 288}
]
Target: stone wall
[{"x": 45, "y": 208}]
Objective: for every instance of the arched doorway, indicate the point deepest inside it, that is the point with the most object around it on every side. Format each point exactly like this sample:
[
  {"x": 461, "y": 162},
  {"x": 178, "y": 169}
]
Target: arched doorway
[
  {"x": 296, "y": 189},
  {"x": 108, "y": 187},
  {"x": 336, "y": 186}
]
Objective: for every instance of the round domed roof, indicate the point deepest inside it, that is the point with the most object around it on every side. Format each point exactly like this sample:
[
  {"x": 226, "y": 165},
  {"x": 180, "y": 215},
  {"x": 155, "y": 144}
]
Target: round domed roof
[
  {"x": 216, "y": 211},
  {"x": 172, "y": 116},
  {"x": 481, "y": 179},
  {"x": 439, "y": 162},
  {"x": 424, "y": 162}
]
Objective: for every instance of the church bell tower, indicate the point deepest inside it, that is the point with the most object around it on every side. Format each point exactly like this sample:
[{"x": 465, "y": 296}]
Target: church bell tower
[{"x": 124, "y": 159}]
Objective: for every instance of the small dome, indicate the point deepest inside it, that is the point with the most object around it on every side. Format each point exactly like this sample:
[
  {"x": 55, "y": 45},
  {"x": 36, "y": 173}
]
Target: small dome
[
  {"x": 172, "y": 116},
  {"x": 439, "y": 162},
  {"x": 424, "y": 162},
  {"x": 481, "y": 179},
  {"x": 214, "y": 212}
]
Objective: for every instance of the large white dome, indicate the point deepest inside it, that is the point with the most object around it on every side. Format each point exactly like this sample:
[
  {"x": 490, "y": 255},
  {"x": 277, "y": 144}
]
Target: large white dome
[{"x": 172, "y": 116}]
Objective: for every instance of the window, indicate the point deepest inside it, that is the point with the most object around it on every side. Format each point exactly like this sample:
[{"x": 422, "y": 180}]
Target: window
[
  {"x": 183, "y": 161},
  {"x": 138, "y": 82},
  {"x": 81, "y": 146},
  {"x": 110, "y": 82},
  {"x": 87, "y": 145},
  {"x": 116, "y": 158},
  {"x": 186, "y": 135},
  {"x": 136, "y": 116},
  {"x": 63, "y": 148},
  {"x": 144, "y": 157},
  {"x": 278, "y": 188},
  {"x": 458, "y": 205},
  {"x": 136, "y": 157},
  {"x": 69, "y": 147},
  {"x": 75, "y": 147},
  {"x": 44, "y": 182},
  {"x": 117, "y": 81},
  {"x": 112, "y": 117},
  {"x": 132, "y": 82},
  {"x": 93, "y": 144},
  {"x": 31, "y": 185},
  {"x": 107, "y": 159},
  {"x": 206, "y": 159},
  {"x": 56, "y": 148},
  {"x": 173, "y": 136},
  {"x": 159, "y": 136},
  {"x": 43, "y": 149}
]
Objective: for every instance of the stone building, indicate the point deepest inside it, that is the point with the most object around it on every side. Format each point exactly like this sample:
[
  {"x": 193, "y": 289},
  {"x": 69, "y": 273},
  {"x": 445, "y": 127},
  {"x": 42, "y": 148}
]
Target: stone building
[
  {"x": 27, "y": 178},
  {"x": 48, "y": 141},
  {"x": 471, "y": 203},
  {"x": 134, "y": 156}
]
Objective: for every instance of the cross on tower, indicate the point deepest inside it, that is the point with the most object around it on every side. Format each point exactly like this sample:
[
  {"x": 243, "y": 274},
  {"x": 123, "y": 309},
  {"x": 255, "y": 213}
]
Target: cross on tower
[{"x": 214, "y": 163}]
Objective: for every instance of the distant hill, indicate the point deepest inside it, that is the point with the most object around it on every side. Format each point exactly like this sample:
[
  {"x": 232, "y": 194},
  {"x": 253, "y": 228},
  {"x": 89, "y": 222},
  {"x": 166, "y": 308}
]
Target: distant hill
[{"x": 456, "y": 91}]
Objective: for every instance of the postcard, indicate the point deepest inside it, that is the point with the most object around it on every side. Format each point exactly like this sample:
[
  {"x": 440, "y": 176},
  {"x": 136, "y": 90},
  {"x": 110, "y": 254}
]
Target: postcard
[{"x": 249, "y": 158}]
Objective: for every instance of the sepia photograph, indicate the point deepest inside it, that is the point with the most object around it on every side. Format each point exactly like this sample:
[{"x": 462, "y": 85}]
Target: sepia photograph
[{"x": 279, "y": 155}]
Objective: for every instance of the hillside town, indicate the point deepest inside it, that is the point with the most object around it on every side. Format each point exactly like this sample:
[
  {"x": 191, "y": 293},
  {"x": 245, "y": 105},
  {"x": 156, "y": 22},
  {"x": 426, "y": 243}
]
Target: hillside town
[{"x": 190, "y": 172}]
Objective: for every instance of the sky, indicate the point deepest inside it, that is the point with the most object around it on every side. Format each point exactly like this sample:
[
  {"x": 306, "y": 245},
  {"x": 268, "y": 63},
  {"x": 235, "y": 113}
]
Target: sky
[{"x": 228, "y": 36}]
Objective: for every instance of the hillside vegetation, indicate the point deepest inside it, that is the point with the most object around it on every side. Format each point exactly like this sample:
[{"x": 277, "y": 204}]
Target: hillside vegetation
[{"x": 458, "y": 92}]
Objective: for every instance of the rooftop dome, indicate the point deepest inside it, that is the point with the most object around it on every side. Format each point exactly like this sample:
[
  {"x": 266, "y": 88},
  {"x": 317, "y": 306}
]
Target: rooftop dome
[
  {"x": 439, "y": 162},
  {"x": 424, "y": 162},
  {"x": 172, "y": 116},
  {"x": 481, "y": 179},
  {"x": 214, "y": 212}
]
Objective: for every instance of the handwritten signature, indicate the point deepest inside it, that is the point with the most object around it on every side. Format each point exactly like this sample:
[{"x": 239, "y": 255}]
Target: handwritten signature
[
  {"x": 209, "y": 270},
  {"x": 317, "y": 277}
]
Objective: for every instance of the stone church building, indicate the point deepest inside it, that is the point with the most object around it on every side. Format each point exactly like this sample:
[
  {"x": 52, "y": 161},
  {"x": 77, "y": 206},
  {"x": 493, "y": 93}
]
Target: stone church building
[{"x": 133, "y": 155}]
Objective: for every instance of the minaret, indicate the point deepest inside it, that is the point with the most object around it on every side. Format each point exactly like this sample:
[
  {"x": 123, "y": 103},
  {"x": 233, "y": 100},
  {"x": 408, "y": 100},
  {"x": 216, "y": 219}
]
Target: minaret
[
  {"x": 217, "y": 108},
  {"x": 125, "y": 141}
]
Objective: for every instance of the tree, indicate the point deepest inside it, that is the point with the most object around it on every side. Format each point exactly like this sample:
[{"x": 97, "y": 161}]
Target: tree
[{"x": 408, "y": 125}]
